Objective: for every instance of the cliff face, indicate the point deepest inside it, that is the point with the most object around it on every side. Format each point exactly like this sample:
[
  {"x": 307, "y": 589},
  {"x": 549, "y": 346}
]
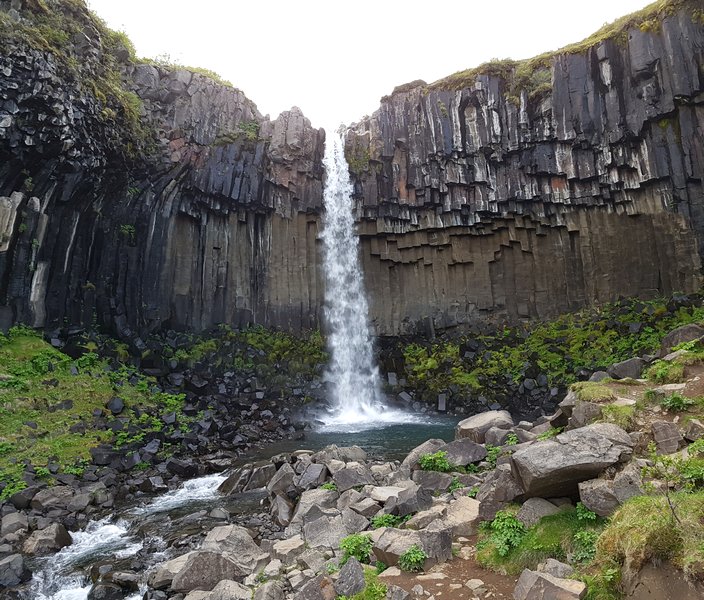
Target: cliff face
[
  {"x": 507, "y": 193},
  {"x": 142, "y": 197},
  {"x": 204, "y": 213}
]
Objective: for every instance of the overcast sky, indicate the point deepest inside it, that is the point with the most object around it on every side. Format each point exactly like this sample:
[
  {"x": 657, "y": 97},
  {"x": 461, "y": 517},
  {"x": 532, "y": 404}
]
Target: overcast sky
[{"x": 335, "y": 59}]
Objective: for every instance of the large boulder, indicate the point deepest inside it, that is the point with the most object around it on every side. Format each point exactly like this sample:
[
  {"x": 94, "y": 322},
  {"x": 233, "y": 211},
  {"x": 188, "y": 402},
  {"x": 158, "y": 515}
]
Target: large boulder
[
  {"x": 289, "y": 549},
  {"x": 203, "y": 570},
  {"x": 312, "y": 477},
  {"x": 310, "y": 499},
  {"x": 631, "y": 368},
  {"x": 667, "y": 437},
  {"x": 351, "y": 579},
  {"x": 534, "y": 509},
  {"x": 432, "y": 480},
  {"x": 47, "y": 541},
  {"x": 428, "y": 447},
  {"x": 52, "y": 497},
  {"x": 236, "y": 543},
  {"x": 476, "y": 426},
  {"x": 353, "y": 475},
  {"x": 462, "y": 516},
  {"x": 325, "y": 532},
  {"x": 533, "y": 585},
  {"x": 554, "y": 467},
  {"x": 463, "y": 452},
  {"x": 270, "y": 590},
  {"x": 282, "y": 483},
  {"x": 341, "y": 453},
  {"x": 14, "y": 523},
  {"x": 685, "y": 333},
  {"x": 230, "y": 590},
  {"x": 389, "y": 543},
  {"x": 163, "y": 574}
]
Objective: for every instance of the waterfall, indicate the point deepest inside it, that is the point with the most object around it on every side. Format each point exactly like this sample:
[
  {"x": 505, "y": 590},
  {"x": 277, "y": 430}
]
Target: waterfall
[{"x": 356, "y": 394}]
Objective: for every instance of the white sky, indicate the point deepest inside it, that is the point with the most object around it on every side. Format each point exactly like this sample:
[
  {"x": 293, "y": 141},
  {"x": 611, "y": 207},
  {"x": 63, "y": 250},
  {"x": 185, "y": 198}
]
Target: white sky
[{"x": 335, "y": 59}]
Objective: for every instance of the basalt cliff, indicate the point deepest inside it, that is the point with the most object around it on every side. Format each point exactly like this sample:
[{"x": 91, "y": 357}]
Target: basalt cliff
[{"x": 139, "y": 196}]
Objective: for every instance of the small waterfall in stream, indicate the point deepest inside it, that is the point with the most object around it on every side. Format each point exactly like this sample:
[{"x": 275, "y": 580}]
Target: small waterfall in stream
[{"x": 357, "y": 397}]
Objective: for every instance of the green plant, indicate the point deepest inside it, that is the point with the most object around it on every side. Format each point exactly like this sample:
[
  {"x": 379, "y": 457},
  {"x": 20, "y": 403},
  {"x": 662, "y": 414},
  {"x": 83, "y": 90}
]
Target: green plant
[
  {"x": 329, "y": 485},
  {"x": 380, "y": 567},
  {"x": 506, "y": 532},
  {"x": 550, "y": 433},
  {"x": 357, "y": 545},
  {"x": 455, "y": 485},
  {"x": 6, "y": 447},
  {"x": 42, "y": 472},
  {"x": 492, "y": 455},
  {"x": 12, "y": 488},
  {"x": 435, "y": 462},
  {"x": 676, "y": 402},
  {"x": 412, "y": 560},
  {"x": 511, "y": 439},
  {"x": 584, "y": 514},
  {"x": 388, "y": 521},
  {"x": 472, "y": 493},
  {"x": 665, "y": 372},
  {"x": 584, "y": 545},
  {"x": 129, "y": 233}
]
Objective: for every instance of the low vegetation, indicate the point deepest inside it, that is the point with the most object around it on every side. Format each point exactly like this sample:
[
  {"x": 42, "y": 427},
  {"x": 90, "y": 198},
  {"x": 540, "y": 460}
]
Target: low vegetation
[{"x": 560, "y": 349}]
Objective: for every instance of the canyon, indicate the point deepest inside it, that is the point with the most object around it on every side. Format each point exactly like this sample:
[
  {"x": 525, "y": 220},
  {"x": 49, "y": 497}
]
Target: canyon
[{"x": 141, "y": 197}]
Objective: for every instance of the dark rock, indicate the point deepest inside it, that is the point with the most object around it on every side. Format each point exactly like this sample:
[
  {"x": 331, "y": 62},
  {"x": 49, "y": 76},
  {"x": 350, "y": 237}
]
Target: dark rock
[
  {"x": 13, "y": 571},
  {"x": 182, "y": 468},
  {"x": 116, "y": 405},
  {"x": 351, "y": 579},
  {"x": 463, "y": 452},
  {"x": 685, "y": 333},
  {"x": 631, "y": 368}
]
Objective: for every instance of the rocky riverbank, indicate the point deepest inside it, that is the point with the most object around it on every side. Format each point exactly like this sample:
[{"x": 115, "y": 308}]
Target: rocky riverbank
[{"x": 614, "y": 446}]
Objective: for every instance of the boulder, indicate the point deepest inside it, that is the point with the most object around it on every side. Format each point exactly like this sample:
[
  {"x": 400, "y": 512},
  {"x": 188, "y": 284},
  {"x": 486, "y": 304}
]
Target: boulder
[
  {"x": 270, "y": 590},
  {"x": 695, "y": 430},
  {"x": 287, "y": 550},
  {"x": 325, "y": 532},
  {"x": 163, "y": 574},
  {"x": 495, "y": 436},
  {"x": 47, "y": 541},
  {"x": 341, "y": 453},
  {"x": 14, "y": 523},
  {"x": 476, "y": 426},
  {"x": 235, "y": 483},
  {"x": 425, "y": 517},
  {"x": 428, "y": 447},
  {"x": 631, "y": 368},
  {"x": 319, "y": 588},
  {"x": 230, "y": 590},
  {"x": 534, "y": 585},
  {"x": 628, "y": 483},
  {"x": 366, "y": 507},
  {"x": 432, "y": 480},
  {"x": 534, "y": 509},
  {"x": 313, "y": 498},
  {"x": 462, "y": 516},
  {"x": 685, "y": 333},
  {"x": 598, "y": 496},
  {"x": 555, "y": 467},
  {"x": 261, "y": 475},
  {"x": 282, "y": 483},
  {"x": 499, "y": 489},
  {"x": 281, "y": 510},
  {"x": 409, "y": 500},
  {"x": 390, "y": 543},
  {"x": 52, "y": 497},
  {"x": 584, "y": 413},
  {"x": 312, "y": 477},
  {"x": 463, "y": 452},
  {"x": 667, "y": 437},
  {"x": 236, "y": 543},
  {"x": 351, "y": 579},
  {"x": 203, "y": 570},
  {"x": 104, "y": 590},
  {"x": 556, "y": 568},
  {"x": 353, "y": 475},
  {"x": 13, "y": 571}
]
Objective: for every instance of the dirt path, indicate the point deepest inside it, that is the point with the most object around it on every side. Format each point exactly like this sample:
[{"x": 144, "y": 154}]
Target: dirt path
[{"x": 449, "y": 581}]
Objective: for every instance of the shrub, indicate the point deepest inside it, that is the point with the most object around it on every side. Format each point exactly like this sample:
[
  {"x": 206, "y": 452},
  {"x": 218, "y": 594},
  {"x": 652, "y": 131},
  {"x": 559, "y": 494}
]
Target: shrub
[
  {"x": 412, "y": 559},
  {"x": 506, "y": 532},
  {"x": 388, "y": 521},
  {"x": 676, "y": 402},
  {"x": 357, "y": 545},
  {"x": 455, "y": 485},
  {"x": 329, "y": 485},
  {"x": 584, "y": 514},
  {"x": 435, "y": 462}
]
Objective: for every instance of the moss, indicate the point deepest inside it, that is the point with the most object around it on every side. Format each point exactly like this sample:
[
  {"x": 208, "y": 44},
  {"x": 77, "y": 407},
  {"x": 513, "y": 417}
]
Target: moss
[
  {"x": 645, "y": 529},
  {"x": 590, "y": 391},
  {"x": 358, "y": 155},
  {"x": 623, "y": 416},
  {"x": 533, "y": 75}
]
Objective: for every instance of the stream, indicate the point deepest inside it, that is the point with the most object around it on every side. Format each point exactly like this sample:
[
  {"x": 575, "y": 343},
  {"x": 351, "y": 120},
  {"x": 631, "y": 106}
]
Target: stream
[{"x": 143, "y": 531}]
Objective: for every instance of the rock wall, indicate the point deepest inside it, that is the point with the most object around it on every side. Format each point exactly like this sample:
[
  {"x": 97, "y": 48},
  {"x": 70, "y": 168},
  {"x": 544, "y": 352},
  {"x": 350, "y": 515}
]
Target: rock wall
[
  {"x": 141, "y": 197},
  {"x": 478, "y": 200},
  {"x": 214, "y": 220}
]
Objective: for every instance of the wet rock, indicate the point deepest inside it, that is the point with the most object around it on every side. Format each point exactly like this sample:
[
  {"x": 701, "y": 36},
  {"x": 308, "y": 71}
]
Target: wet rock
[
  {"x": 106, "y": 591},
  {"x": 47, "y": 541},
  {"x": 476, "y": 426},
  {"x": 13, "y": 571}
]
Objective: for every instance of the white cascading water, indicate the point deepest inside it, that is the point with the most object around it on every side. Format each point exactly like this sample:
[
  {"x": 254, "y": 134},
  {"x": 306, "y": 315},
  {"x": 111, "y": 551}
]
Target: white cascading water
[{"x": 357, "y": 398}]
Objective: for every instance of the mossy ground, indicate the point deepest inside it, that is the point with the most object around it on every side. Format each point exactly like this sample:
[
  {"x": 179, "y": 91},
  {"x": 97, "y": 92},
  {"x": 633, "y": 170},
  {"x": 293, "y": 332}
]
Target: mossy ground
[
  {"x": 45, "y": 398},
  {"x": 560, "y": 348}
]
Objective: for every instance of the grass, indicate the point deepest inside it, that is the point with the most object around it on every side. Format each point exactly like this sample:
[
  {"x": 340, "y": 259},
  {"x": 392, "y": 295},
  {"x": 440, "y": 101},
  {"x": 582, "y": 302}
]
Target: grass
[
  {"x": 644, "y": 529},
  {"x": 590, "y": 391},
  {"x": 373, "y": 589},
  {"x": 534, "y": 74},
  {"x": 44, "y": 394},
  {"x": 623, "y": 416},
  {"x": 560, "y": 536}
]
